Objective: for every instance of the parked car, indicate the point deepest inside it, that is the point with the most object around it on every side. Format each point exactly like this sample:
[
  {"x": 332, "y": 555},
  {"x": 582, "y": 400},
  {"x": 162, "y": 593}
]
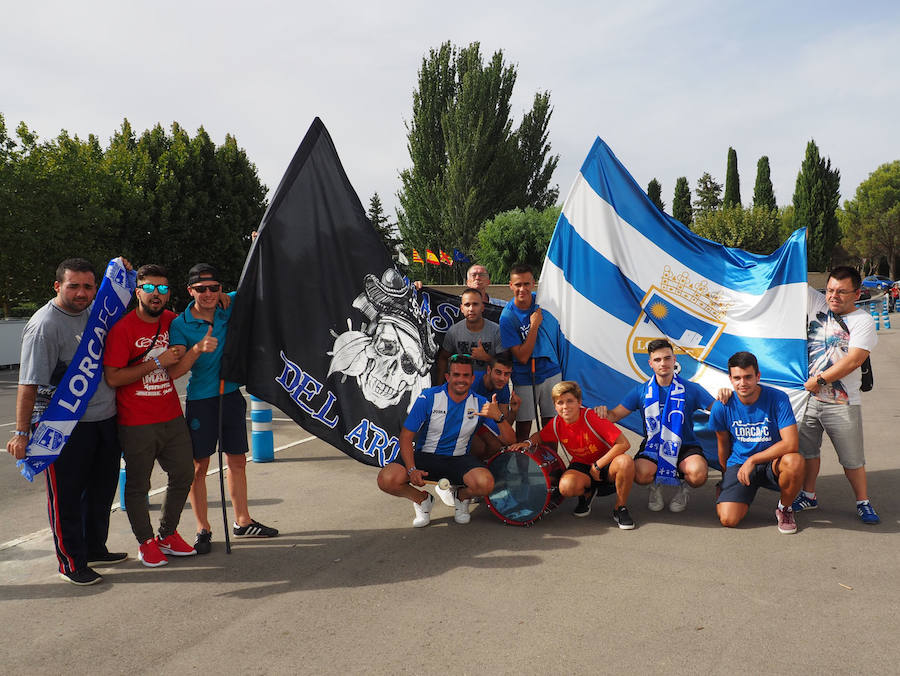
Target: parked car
[{"x": 878, "y": 282}]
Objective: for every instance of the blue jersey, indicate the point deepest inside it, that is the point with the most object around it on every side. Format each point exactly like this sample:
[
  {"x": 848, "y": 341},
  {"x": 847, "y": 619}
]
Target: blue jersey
[
  {"x": 752, "y": 427},
  {"x": 695, "y": 398},
  {"x": 444, "y": 426},
  {"x": 514, "y": 327},
  {"x": 187, "y": 330},
  {"x": 478, "y": 387}
]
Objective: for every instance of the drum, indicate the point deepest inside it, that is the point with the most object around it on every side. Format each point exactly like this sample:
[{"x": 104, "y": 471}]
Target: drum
[{"x": 524, "y": 484}]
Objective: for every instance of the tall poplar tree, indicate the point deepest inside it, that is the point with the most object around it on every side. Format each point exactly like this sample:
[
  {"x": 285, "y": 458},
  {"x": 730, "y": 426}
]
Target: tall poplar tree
[
  {"x": 816, "y": 199},
  {"x": 763, "y": 194},
  {"x": 654, "y": 192},
  {"x": 681, "y": 203},
  {"x": 732, "y": 182},
  {"x": 468, "y": 163}
]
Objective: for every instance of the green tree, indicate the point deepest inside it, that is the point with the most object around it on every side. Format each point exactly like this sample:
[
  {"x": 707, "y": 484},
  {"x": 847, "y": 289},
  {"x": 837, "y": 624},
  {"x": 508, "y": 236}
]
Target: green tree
[
  {"x": 816, "y": 198},
  {"x": 515, "y": 236},
  {"x": 756, "y": 230},
  {"x": 763, "y": 194},
  {"x": 385, "y": 229},
  {"x": 681, "y": 203},
  {"x": 709, "y": 193},
  {"x": 654, "y": 192},
  {"x": 870, "y": 222},
  {"x": 732, "y": 181},
  {"x": 468, "y": 163}
]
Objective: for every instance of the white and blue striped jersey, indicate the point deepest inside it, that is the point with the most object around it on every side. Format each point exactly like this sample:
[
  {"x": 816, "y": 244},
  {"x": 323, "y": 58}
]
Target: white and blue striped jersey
[{"x": 444, "y": 426}]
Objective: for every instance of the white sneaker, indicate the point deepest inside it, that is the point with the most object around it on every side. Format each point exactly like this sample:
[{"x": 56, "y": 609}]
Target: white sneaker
[
  {"x": 461, "y": 514},
  {"x": 446, "y": 495},
  {"x": 682, "y": 495},
  {"x": 655, "y": 504},
  {"x": 423, "y": 511}
]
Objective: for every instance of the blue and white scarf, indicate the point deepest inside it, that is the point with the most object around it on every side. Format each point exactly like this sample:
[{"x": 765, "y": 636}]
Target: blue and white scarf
[
  {"x": 664, "y": 431},
  {"x": 83, "y": 375}
]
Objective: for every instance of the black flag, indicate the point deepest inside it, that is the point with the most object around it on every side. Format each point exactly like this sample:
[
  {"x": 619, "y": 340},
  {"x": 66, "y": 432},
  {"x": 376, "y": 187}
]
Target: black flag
[{"x": 323, "y": 326}]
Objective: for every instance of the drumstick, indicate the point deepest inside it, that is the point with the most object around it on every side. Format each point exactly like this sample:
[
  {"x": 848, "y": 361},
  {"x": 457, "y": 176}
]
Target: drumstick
[{"x": 444, "y": 484}]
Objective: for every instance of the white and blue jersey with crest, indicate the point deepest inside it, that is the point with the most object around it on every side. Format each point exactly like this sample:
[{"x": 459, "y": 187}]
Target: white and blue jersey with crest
[{"x": 443, "y": 426}]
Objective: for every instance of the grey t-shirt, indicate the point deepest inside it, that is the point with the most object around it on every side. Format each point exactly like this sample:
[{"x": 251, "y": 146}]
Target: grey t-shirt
[
  {"x": 48, "y": 344},
  {"x": 459, "y": 340}
]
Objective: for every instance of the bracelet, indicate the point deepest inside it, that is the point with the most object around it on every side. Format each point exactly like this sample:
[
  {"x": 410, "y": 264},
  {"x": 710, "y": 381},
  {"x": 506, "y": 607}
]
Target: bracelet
[
  {"x": 529, "y": 443},
  {"x": 410, "y": 470},
  {"x": 20, "y": 433},
  {"x": 158, "y": 365},
  {"x": 595, "y": 466}
]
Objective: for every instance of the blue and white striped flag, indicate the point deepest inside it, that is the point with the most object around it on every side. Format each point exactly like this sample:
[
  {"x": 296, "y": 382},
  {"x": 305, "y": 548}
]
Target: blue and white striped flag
[{"x": 620, "y": 273}]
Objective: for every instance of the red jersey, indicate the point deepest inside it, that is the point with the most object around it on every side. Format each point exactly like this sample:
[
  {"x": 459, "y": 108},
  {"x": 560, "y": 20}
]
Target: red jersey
[
  {"x": 151, "y": 399},
  {"x": 578, "y": 439}
]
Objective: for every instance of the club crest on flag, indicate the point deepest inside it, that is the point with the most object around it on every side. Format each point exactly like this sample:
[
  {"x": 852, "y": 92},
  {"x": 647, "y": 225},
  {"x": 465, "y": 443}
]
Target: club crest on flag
[
  {"x": 687, "y": 314},
  {"x": 392, "y": 352}
]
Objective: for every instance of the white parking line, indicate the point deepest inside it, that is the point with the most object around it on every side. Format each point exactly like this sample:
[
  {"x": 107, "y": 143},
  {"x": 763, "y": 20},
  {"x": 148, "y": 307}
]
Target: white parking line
[{"x": 116, "y": 505}]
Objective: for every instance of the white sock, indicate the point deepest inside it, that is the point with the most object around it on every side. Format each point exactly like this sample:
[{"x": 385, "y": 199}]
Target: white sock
[
  {"x": 862, "y": 502},
  {"x": 811, "y": 495}
]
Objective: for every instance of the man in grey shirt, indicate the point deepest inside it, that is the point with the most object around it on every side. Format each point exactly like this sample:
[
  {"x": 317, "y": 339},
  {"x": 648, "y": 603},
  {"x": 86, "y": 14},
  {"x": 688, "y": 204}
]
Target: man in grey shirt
[
  {"x": 475, "y": 336},
  {"x": 81, "y": 483}
]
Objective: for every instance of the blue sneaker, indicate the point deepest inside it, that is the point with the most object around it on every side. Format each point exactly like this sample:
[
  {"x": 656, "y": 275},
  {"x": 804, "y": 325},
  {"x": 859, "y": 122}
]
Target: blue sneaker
[
  {"x": 801, "y": 503},
  {"x": 867, "y": 514}
]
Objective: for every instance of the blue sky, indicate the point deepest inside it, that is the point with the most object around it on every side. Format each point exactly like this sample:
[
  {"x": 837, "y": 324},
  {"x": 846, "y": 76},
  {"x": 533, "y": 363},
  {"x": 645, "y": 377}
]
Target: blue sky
[{"x": 669, "y": 86}]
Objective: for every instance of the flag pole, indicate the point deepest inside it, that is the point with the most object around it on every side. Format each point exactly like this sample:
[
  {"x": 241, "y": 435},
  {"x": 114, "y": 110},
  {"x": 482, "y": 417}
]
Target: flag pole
[{"x": 222, "y": 470}]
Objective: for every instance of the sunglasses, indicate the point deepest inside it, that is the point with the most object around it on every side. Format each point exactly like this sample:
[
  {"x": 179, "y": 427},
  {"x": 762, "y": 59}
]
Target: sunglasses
[
  {"x": 460, "y": 359},
  {"x": 203, "y": 288},
  {"x": 149, "y": 288}
]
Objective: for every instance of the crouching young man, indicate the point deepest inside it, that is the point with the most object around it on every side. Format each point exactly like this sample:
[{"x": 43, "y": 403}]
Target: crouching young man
[
  {"x": 445, "y": 418},
  {"x": 598, "y": 449},
  {"x": 757, "y": 437}
]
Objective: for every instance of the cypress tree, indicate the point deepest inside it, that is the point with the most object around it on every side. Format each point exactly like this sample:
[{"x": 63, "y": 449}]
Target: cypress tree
[
  {"x": 763, "y": 194},
  {"x": 709, "y": 193},
  {"x": 654, "y": 192},
  {"x": 681, "y": 204},
  {"x": 816, "y": 199},
  {"x": 732, "y": 182}
]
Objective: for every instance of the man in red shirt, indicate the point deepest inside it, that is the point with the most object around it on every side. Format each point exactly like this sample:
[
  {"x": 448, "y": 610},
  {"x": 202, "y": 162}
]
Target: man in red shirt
[
  {"x": 151, "y": 422},
  {"x": 598, "y": 450}
]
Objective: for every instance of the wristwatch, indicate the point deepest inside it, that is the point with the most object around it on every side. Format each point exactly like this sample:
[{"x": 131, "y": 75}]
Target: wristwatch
[
  {"x": 410, "y": 470},
  {"x": 822, "y": 382},
  {"x": 501, "y": 418}
]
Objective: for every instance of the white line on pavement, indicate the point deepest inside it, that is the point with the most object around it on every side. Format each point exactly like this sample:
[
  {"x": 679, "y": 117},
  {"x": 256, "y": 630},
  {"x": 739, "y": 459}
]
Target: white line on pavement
[{"x": 116, "y": 505}]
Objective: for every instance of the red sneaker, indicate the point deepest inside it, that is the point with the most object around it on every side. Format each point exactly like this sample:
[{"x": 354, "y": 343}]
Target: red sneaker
[
  {"x": 175, "y": 545},
  {"x": 150, "y": 555}
]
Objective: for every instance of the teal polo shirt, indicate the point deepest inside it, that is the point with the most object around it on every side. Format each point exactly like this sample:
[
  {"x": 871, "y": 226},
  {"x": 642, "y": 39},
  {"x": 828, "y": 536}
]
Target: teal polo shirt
[{"x": 187, "y": 330}]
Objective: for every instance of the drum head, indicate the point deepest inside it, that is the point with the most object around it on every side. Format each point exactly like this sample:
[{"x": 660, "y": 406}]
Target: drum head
[{"x": 524, "y": 485}]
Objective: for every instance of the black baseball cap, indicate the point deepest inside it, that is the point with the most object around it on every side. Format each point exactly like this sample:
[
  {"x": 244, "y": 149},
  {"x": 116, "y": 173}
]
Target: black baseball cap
[{"x": 201, "y": 272}]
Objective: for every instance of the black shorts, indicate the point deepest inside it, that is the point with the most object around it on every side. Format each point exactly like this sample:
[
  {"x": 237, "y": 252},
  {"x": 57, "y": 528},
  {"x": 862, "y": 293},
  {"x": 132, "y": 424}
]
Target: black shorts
[
  {"x": 733, "y": 490},
  {"x": 604, "y": 485},
  {"x": 685, "y": 452},
  {"x": 203, "y": 423},
  {"x": 451, "y": 467}
]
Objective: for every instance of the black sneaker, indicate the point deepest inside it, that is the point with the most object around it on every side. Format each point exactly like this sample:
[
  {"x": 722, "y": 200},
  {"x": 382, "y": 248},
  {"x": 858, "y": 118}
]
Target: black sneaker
[
  {"x": 583, "y": 508},
  {"x": 203, "y": 543},
  {"x": 107, "y": 559},
  {"x": 83, "y": 578},
  {"x": 623, "y": 518},
  {"x": 254, "y": 530}
]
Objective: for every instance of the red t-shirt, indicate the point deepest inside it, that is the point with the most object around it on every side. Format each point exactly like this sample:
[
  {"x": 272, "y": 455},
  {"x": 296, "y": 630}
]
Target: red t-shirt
[
  {"x": 151, "y": 399},
  {"x": 577, "y": 438}
]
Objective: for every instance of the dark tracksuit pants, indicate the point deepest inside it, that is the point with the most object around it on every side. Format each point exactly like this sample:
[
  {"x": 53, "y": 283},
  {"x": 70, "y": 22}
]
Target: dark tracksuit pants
[{"x": 81, "y": 485}]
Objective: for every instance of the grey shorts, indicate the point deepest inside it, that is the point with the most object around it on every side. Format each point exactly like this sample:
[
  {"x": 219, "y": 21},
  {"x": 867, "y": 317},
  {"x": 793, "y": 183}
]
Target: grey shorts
[
  {"x": 842, "y": 422},
  {"x": 545, "y": 401}
]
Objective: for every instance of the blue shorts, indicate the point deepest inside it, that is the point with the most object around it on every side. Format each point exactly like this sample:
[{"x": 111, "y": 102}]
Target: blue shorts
[
  {"x": 203, "y": 423},
  {"x": 451, "y": 467},
  {"x": 762, "y": 476}
]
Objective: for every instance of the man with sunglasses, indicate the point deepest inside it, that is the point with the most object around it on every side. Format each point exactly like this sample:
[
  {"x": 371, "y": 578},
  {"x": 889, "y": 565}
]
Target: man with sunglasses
[
  {"x": 201, "y": 329},
  {"x": 840, "y": 337},
  {"x": 442, "y": 422},
  {"x": 151, "y": 424}
]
